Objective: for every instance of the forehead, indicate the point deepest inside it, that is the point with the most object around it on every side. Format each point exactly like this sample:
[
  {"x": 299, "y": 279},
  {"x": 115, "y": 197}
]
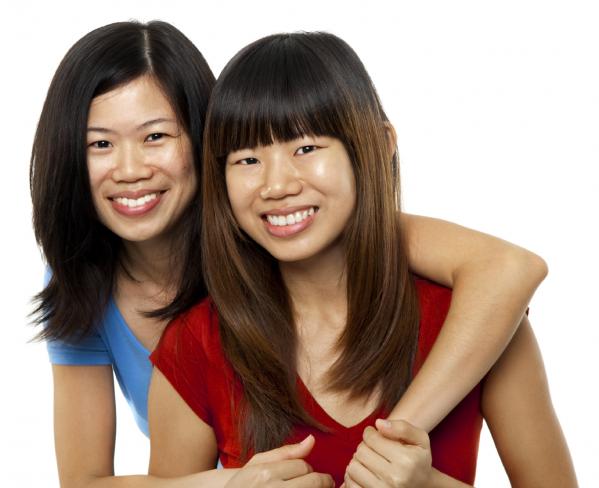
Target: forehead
[{"x": 133, "y": 103}]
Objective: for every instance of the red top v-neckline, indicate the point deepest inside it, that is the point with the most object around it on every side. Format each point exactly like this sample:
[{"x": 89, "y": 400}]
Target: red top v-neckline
[
  {"x": 323, "y": 417},
  {"x": 190, "y": 356}
]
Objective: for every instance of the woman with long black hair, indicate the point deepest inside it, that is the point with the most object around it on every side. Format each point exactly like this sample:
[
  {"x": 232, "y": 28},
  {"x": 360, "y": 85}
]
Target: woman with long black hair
[{"x": 115, "y": 176}]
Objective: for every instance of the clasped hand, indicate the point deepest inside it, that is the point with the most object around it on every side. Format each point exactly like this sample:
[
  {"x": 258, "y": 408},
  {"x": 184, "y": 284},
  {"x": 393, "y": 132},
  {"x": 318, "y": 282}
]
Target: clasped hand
[
  {"x": 281, "y": 467},
  {"x": 395, "y": 454}
]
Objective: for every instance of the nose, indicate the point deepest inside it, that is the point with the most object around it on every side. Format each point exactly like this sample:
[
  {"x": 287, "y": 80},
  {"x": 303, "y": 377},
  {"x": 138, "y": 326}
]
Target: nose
[
  {"x": 281, "y": 179},
  {"x": 131, "y": 165}
]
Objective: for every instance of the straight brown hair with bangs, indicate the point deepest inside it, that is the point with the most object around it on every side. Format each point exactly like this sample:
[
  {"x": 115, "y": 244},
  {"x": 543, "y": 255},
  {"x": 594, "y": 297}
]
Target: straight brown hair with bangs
[{"x": 280, "y": 88}]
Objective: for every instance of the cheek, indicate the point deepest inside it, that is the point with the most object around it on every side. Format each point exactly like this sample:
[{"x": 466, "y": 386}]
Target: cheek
[
  {"x": 97, "y": 170},
  {"x": 178, "y": 162},
  {"x": 240, "y": 188},
  {"x": 177, "y": 158},
  {"x": 234, "y": 193},
  {"x": 349, "y": 187},
  {"x": 335, "y": 178}
]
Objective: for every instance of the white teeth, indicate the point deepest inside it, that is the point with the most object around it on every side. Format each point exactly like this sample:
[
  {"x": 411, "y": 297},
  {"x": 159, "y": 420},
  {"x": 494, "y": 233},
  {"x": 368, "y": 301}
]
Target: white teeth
[
  {"x": 132, "y": 203},
  {"x": 289, "y": 219}
]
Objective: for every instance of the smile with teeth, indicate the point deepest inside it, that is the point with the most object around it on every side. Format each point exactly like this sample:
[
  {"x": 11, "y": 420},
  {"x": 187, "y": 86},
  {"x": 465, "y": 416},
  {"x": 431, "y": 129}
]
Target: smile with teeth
[
  {"x": 290, "y": 219},
  {"x": 136, "y": 202}
]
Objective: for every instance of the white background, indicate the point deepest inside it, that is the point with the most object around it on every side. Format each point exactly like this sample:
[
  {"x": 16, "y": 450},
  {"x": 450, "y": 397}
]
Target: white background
[{"x": 497, "y": 110}]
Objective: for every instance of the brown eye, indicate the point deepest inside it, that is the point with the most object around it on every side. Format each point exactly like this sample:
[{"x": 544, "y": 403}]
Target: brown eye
[
  {"x": 100, "y": 144},
  {"x": 248, "y": 161},
  {"x": 305, "y": 150},
  {"x": 156, "y": 136}
]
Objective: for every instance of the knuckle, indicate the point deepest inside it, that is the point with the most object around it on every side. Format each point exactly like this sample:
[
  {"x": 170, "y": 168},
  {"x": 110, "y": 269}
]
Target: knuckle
[
  {"x": 410, "y": 461},
  {"x": 369, "y": 433},
  {"x": 352, "y": 468},
  {"x": 349, "y": 483},
  {"x": 302, "y": 466},
  {"x": 318, "y": 480},
  {"x": 361, "y": 450},
  {"x": 401, "y": 427},
  {"x": 264, "y": 474},
  {"x": 256, "y": 458},
  {"x": 396, "y": 479}
]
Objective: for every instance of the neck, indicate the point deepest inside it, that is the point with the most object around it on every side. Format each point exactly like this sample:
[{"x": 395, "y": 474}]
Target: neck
[
  {"x": 317, "y": 288},
  {"x": 150, "y": 261}
]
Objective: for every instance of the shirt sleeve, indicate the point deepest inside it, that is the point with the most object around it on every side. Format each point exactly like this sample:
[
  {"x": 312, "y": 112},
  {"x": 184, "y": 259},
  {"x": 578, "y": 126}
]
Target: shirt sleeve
[
  {"x": 89, "y": 351},
  {"x": 181, "y": 358}
]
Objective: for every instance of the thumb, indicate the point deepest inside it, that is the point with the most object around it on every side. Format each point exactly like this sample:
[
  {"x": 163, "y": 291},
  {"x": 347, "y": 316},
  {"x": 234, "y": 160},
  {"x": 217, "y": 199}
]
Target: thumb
[
  {"x": 289, "y": 451},
  {"x": 403, "y": 431}
]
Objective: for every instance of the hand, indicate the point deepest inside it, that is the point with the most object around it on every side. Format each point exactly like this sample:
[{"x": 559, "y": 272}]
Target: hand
[
  {"x": 282, "y": 467},
  {"x": 395, "y": 454}
]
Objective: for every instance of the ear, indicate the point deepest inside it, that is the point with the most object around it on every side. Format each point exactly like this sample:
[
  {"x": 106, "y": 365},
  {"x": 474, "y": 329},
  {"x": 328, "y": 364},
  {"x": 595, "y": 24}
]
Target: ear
[{"x": 391, "y": 137}]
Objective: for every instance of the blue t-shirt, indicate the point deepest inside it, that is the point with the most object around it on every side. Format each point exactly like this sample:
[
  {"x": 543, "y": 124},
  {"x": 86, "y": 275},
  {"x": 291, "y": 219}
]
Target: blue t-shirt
[{"x": 113, "y": 343}]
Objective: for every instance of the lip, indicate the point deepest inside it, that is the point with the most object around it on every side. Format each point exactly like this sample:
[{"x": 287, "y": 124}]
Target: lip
[
  {"x": 140, "y": 210},
  {"x": 288, "y": 210},
  {"x": 289, "y": 230},
  {"x": 134, "y": 194}
]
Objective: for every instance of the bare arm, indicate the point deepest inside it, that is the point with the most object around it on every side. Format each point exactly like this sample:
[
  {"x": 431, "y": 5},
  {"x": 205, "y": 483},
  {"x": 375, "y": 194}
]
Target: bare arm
[
  {"x": 84, "y": 431},
  {"x": 518, "y": 410},
  {"x": 492, "y": 283},
  {"x": 182, "y": 443}
]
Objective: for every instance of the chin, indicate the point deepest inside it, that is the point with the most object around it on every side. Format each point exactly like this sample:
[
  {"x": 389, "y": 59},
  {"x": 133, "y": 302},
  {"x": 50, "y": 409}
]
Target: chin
[
  {"x": 293, "y": 256},
  {"x": 135, "y": 235}
]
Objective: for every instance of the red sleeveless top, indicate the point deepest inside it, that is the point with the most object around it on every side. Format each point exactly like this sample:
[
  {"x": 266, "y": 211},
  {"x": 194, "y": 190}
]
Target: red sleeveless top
[{"x": 191, "y": 358}]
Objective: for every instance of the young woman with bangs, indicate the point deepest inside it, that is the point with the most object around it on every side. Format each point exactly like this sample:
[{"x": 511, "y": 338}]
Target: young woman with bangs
[
  {"x": 115, "y": 176},
  {"x": 314, "y": 322}
]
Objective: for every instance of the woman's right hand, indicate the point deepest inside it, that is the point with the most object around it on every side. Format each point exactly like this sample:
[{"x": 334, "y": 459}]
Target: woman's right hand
[
  {"x": 394, "y": 455},
  {"x": 283, "y": 466}
]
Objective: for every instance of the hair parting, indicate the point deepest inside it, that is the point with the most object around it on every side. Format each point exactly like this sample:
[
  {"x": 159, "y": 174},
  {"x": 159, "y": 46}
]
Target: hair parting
[{"x": 81, "y": 253}]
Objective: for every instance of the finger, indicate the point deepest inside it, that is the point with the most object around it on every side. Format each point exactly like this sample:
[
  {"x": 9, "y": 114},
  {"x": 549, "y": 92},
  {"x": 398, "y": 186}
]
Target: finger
[
  {"x": 280, "y": 471},
  {"x": 348, "y": 482},
  {"x": 371, "y": 460},
  {"x": 312, "y": 480},
  {"x": 288, "y": 451},
  {"x": 396, "y": 464},
  {"x": 361, "y": 475},
  {"x": 403, "y": 431},
  {"x": 391, "y": 450}
]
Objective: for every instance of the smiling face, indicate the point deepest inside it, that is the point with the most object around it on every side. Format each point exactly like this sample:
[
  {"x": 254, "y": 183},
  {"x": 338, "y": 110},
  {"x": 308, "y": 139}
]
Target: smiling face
[
  {"x": 139, "y": 161},
  {"x": 293, "y": 198}
]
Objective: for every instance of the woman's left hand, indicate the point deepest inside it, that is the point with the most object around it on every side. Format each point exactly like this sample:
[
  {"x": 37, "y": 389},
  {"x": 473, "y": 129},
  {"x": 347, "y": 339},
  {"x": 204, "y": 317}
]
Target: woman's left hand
[{"x": 395, "y": 454}]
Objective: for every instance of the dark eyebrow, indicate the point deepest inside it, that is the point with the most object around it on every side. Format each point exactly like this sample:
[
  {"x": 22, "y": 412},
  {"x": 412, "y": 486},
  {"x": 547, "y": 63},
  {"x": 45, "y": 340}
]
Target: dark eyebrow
[
  {"x": 99, "y": 129},
  {"x": 145, "y": 125}
]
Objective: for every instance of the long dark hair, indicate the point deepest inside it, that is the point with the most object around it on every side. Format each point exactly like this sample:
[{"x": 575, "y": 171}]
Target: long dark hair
[
  {"x": 277, "y": 89},
  {"x": 80, "y": 251}
]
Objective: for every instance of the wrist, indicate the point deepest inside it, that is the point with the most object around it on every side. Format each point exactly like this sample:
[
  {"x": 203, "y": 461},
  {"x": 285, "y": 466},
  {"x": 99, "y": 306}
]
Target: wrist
[{"x": 441, "y": 480}]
